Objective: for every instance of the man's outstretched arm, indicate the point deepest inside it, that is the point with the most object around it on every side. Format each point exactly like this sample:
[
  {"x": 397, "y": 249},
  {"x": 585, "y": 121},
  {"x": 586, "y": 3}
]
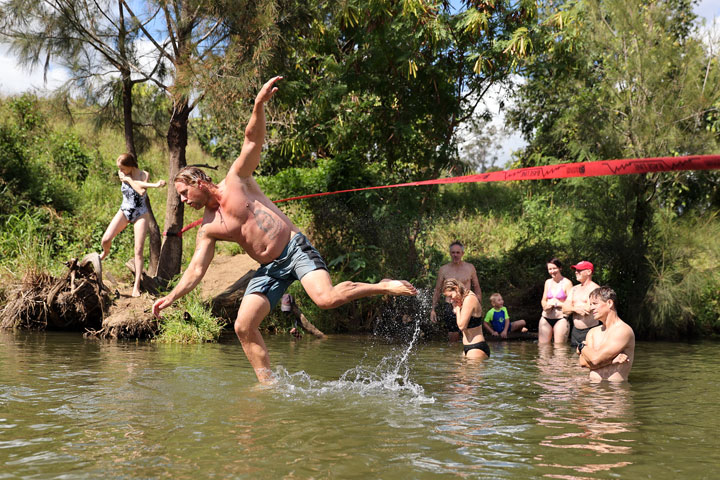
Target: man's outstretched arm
[
  {"x": 249, "y": 157},
  {"x": 204, "y": 252}
]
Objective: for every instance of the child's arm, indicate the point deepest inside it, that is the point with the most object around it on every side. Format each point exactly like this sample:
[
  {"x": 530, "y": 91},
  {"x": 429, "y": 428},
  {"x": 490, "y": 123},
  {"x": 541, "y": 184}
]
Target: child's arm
[
  {"x": 486, "y": 324},
  {"x": 507, "y": 323},
  {"x": 138, "y": 185}
]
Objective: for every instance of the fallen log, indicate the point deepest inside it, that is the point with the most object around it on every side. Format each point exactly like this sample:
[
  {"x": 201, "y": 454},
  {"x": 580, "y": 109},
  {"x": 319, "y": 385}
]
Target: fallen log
[
  {"x": 130, "y": 318},
  {"x": 226, "y": 303}
]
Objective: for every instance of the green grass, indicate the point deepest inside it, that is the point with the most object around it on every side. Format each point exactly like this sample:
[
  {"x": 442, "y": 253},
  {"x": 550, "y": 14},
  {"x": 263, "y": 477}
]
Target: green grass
[{"x": 191, "y": 321}]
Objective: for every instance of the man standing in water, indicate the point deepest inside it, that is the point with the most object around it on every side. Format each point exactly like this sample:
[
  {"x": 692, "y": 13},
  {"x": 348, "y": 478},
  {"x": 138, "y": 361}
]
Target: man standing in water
[
  {"x": 236, "y": 210},
  {"x": 577, "y": 303},
  {"x": 463, "y": 272},
  {"x": 607, "y": 351}
]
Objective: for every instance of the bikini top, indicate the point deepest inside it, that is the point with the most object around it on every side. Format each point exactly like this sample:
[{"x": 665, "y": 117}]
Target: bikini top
[
  {"x": 561, "y": 295},
  {"x": 475, "y": 322}
]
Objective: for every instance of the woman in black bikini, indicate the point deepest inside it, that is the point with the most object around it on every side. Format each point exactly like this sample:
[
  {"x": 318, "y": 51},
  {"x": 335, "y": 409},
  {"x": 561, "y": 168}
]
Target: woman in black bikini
[
  {"x": 468, "y": 312},
  {"x": 553, "y": 324}
]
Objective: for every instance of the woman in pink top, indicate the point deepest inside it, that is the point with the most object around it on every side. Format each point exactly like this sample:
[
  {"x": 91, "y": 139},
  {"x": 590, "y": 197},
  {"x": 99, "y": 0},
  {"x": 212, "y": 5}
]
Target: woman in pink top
[{"x": 553, "y": 324}]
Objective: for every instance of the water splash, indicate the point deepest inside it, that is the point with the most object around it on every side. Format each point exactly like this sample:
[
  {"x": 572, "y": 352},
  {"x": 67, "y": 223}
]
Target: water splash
[{"x": 390, "y": 377}]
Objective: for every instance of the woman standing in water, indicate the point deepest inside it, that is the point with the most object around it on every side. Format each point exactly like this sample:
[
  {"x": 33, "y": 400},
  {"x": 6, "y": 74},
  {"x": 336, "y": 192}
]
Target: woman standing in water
[
  {"x": 553, "y": 324},
  {"x": 132, "y": 210},
  {"x": 468, "y": 311}
]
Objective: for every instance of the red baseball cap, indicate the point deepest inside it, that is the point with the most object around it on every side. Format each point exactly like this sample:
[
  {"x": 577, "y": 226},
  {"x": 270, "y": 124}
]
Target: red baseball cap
[{"x": 584, "y": 265}]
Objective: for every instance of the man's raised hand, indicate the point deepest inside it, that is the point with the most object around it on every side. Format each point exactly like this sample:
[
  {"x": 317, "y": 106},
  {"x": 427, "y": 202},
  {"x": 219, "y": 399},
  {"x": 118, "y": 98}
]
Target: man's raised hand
[{"x": 267, "y": 91}]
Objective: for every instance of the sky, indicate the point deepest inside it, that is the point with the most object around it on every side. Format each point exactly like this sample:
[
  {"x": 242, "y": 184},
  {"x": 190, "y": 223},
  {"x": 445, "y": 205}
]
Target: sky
[{"x": 15, "y": 79}]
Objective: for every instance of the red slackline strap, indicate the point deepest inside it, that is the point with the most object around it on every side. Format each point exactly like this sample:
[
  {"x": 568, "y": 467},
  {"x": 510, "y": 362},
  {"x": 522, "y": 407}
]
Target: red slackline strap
[{"x": 563, "y": 170}]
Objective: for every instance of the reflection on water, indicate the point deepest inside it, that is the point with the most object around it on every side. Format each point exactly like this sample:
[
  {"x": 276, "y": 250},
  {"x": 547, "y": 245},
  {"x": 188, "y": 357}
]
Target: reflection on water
[
  {"x": 578, "y": 415},
  {"x": 350, "y": 407}
]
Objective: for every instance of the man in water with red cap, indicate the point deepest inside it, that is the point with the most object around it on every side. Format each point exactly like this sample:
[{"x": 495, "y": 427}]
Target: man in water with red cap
[{"x": 577, "y": 303}]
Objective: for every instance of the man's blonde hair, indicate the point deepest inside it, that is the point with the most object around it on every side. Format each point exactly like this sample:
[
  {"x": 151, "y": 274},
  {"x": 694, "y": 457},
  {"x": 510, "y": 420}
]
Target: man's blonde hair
[{"x": 191, "y": 176}]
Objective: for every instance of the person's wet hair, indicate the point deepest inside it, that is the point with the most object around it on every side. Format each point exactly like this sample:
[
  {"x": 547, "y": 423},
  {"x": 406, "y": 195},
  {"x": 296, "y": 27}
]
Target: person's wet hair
[
  {"x": 604, "y": 293},
  {"x": 191, "y": 176},
  {"x": 453, "y": 284},
  {"x": 128, "y": 160},
  {"x": 556, "y": 262}
]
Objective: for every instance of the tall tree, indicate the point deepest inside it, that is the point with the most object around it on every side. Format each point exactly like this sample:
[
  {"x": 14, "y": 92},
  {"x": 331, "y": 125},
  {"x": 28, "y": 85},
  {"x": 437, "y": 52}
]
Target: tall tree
[
  {"x": 374, "y": 93},
  {"x": 92, "y": 40},
  {"x": 196, "y": 46},
  {"x": 204, "y": 46}
]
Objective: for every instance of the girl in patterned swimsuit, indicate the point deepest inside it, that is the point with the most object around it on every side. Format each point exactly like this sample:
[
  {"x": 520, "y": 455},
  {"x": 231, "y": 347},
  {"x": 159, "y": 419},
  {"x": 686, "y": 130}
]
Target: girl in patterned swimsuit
[
  {"x": 553, "y": 325},
  {"x": 132, "y": 210}
]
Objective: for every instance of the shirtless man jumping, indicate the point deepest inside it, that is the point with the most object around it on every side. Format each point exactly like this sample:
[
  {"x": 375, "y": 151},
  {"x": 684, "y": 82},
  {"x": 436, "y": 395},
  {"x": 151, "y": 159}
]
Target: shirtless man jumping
[
  {"x": 236, "y": 210},
  {"x": 577, "y": 304},
  {"x": 463, "y": 272},
  {"x": 608, "y": 351}
]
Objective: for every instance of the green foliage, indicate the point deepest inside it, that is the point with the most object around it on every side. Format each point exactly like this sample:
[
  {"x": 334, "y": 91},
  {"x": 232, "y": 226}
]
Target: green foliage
[
  {"x": 69, "y": 156},
  {"x": 620, "y": 79},
  {"x": 191, "y": 321},
  {"x": 26, "y": 239},
  {"x": 26, "y": 177},
  {"x": 683, "y": 297}
]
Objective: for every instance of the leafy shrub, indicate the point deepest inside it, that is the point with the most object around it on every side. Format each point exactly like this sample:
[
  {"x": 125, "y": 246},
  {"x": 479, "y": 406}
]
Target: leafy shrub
[{"x": 190, "y": 322}]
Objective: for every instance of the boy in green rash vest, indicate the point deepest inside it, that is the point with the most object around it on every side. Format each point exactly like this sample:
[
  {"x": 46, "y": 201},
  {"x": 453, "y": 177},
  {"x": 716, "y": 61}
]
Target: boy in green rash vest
[{"x": 497, "y": 319}]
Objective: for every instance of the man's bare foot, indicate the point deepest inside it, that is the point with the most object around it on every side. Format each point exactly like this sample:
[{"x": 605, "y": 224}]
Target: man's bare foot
[
  {"x": 265, "y": 377},
  {"x": 136, "y": 293},
  {"x": 399, "y": 287}
]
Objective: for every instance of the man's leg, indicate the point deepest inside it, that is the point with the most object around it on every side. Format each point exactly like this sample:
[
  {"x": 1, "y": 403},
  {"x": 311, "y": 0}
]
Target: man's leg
[
  {"x": 253, "y": 309},
  {"x": 518, "y": 325},
  {"x": 319, "y": 287}
]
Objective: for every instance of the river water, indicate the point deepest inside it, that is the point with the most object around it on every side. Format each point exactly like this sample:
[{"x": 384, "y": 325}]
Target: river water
[{"x": 351, "y": 407}]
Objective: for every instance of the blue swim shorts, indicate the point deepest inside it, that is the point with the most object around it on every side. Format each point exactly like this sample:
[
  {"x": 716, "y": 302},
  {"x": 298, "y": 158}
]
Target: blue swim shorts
[{"x": 297, "y": 260}]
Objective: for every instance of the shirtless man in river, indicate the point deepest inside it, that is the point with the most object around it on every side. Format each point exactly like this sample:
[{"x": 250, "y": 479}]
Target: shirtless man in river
[
  {"x": 236, "y": 210},
  {"x": 463, "y": 272},
  {"x": 578, "y": 305},
  {"x": 608, "y": 351}
]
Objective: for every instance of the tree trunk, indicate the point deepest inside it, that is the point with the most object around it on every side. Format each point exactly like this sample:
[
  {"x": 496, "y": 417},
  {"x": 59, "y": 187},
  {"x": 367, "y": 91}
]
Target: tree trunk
[
  {"x": 155, "y": 242},
  {"x": 177, "y": 137},
  {"x": 127, "y": 85}
]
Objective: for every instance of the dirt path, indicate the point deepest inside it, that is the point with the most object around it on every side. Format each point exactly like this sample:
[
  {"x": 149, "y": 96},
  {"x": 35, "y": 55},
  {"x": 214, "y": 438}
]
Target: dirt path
[{"x": 223, "y": 272}]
